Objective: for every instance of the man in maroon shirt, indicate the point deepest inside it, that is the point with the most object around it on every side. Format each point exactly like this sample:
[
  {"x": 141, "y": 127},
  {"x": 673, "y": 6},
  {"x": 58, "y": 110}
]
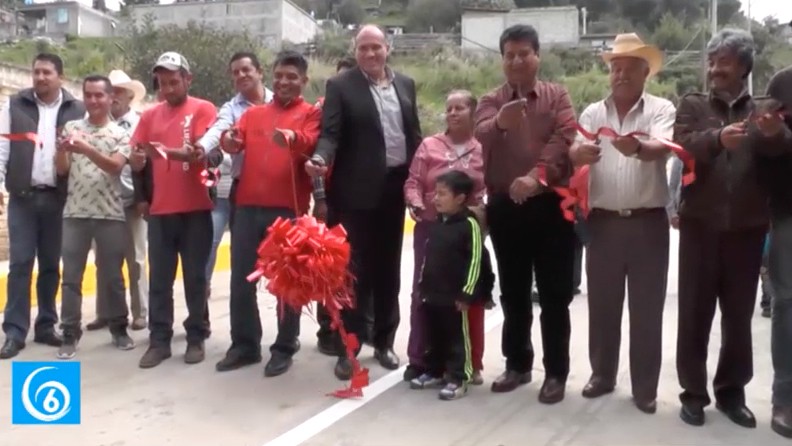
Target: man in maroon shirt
[{"x": 526, "y": 127}]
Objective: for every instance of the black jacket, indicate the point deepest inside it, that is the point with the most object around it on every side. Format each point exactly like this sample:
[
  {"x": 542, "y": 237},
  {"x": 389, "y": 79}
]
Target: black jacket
[
  {"x": 456, "y": 266},
  {"x": 775, "y": 171},
  {"x": 353, "y": 140}
]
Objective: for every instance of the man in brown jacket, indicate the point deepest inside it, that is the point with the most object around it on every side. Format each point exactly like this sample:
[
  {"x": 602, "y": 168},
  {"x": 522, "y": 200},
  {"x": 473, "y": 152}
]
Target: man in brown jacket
[{"x": 723, "y": 222}]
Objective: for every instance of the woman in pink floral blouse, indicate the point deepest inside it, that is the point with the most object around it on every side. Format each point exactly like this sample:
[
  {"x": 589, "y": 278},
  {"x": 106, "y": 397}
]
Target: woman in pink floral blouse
[{"x": 456, "y": 148}]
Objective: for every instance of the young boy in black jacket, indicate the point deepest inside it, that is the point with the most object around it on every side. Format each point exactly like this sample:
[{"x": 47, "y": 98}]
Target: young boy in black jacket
[{"x": 450, "y": 282}]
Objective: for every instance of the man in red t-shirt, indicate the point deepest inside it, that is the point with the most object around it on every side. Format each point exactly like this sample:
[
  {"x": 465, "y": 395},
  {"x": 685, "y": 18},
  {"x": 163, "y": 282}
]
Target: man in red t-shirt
[
  {"x": 180, "y": 220},
  {"x": 274, "y": 140}
]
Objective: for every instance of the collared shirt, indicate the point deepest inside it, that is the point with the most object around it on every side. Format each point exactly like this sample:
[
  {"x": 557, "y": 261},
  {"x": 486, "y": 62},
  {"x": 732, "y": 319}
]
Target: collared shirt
[
  {"x": 617, "y": 182},
  {"x": 94, "y": 193},
  {"x": 542, "y": 140},
  {"x": 43, "y": 173},
  {"x": 387, "y": 100},
  {"x": 228, "y": 115},
  {"x": 128, "y": 122}
]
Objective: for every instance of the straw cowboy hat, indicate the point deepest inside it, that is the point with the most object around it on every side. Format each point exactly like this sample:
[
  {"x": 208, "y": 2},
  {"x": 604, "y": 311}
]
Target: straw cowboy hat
[
  {"x": 122, "y": 80},
  {"x": 630, "y": 45}
]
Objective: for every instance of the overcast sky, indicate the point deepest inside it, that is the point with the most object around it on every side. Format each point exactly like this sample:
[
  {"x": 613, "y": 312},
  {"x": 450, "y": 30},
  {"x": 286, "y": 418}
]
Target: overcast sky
[{"x": 780, "y": 9}]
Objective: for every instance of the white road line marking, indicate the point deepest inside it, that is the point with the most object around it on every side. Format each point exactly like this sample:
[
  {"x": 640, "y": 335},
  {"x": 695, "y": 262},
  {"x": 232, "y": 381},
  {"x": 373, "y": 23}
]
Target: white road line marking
[{"x": 333, "y": 414}]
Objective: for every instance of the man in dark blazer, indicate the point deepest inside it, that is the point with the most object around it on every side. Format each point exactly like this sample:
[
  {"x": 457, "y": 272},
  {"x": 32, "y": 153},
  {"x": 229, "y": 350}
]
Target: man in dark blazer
[{"x": 370, "y": 132}]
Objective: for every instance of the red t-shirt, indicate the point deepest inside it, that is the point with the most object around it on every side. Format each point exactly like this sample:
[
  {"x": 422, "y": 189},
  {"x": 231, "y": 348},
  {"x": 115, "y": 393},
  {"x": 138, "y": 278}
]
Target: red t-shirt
[
  {"x": 267, "y": 169},
  {"x": 176, "y": 189}
]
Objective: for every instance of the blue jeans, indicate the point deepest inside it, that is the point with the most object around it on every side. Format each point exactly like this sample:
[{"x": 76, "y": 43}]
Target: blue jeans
[
  {"x": 781, "y": 334},
  {"x": 35, "y": 227},
  {"x": 220, "y": 217}
]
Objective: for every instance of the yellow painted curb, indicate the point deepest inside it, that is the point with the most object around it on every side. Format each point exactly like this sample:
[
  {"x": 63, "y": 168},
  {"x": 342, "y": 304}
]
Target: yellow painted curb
[{"x": 89, "y": 279}]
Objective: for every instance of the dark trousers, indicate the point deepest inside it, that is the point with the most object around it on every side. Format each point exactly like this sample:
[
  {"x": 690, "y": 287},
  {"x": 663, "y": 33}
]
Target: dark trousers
[
  {"x": 632, "y": 249},
  {"x": 781, "y": 334},
  {"x": 716, "y": 269},
  {"x": 35, "y": 227},
  {"x": 325, "y": 323},
  {"x": 249, "y": 229},
  {"x": 375, "y": 236},
  {"x": 185, "y": 236},
  {"x": 533, "y": 236},
  {"x": 448, "y": 343}
]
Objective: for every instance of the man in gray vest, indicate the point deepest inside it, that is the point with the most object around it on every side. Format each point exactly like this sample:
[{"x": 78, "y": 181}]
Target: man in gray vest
[{"x": 35, "y": 207}]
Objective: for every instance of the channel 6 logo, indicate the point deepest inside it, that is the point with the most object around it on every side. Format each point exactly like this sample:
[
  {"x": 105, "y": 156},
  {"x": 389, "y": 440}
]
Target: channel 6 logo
[{"x": 45, "y": 393}]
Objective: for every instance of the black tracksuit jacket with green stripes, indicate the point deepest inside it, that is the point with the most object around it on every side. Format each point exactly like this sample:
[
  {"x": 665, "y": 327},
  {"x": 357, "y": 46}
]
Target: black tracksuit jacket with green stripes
[{"x": 456, "y": 264}]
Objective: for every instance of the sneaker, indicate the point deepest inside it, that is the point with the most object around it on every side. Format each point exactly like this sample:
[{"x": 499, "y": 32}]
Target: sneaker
[
  {"x": 122, "y": 341},
  {"x": 452, "y": 391},
  {"x": 425, "y": 381},
  {"x": 68, "y": 350},
  {"x": 477, "y": 379}
]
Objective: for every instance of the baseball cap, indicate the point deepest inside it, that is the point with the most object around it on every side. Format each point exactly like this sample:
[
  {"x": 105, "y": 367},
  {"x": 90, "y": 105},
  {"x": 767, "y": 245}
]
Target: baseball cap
[{"x": 172, "y": 61}]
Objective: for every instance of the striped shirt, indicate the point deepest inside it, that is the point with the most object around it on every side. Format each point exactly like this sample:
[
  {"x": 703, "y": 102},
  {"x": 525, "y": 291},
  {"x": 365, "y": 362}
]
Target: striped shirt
[{"x": 618, "y": 182}]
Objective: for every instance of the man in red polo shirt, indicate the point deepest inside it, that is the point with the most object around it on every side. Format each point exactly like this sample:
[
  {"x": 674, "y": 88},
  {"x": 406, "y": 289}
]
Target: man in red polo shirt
[
  {"x": 274, "y": 139},
  {"x": 180, "y": 220}
]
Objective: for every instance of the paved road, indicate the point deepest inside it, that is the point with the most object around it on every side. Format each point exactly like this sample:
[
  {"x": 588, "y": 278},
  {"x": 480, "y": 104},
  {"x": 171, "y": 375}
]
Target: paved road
[{"x": 177, "y": 404}]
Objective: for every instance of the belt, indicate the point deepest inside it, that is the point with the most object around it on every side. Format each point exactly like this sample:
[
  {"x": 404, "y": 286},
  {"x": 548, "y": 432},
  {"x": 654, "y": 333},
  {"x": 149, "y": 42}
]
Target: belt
[{"x": 626, "y": 213}]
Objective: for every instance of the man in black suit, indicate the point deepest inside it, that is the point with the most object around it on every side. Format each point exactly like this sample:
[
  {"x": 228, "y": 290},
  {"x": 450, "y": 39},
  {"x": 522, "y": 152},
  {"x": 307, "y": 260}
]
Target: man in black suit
[{"x": 370, "y": 132}]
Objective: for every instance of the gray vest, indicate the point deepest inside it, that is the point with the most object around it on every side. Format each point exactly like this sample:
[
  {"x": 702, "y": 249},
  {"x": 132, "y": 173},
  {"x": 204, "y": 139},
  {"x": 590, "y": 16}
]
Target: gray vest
[{"x": 24, "y": 118}]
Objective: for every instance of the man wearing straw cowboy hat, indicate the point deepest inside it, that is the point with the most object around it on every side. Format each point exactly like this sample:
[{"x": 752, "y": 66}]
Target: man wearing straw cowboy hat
[
  {"x": 628, "y": 224},
  {"x": 126, "y": 94}
]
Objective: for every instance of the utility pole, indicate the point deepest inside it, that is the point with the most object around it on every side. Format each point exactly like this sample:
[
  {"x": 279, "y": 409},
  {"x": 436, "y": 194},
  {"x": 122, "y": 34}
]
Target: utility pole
[
  {"x": 750, "y": 26},
  {"x": 714, "y": 16}
]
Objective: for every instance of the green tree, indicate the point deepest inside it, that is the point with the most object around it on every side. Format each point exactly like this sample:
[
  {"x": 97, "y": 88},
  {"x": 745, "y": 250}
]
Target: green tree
[
  {"x": 208, "y": 50},
  {"x": 350, "y": 12},
  {"x": 671, "y": 34},
  {"x": 434, "y": 15}
]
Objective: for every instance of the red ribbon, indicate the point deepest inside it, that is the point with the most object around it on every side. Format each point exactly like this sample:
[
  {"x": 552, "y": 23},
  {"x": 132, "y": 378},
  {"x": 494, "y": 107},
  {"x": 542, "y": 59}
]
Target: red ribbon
[
  {"x": 210, "y": 177},
  {"x": 680, "y": 152},
  {"x": 306, "y": 262},
  {"x": 28, "y": 136},
  {"x": 576, "y": 194}
]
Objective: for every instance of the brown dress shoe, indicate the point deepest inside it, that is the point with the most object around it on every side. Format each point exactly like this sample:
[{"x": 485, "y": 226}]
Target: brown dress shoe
[
  {"x": 596, "y": 387},
  {"x": 646, "y": 406},
  {"x": 154, "y": 357},
  {"x": 782, "y": 421},
  {"x": 510, "y": 380},
  {"x": 552, "y": 391},
  {"x": 194, "y": 353}
]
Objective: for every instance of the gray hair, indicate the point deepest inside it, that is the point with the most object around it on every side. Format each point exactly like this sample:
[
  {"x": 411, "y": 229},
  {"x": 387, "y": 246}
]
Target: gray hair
[{"x": 738, "y": 42}]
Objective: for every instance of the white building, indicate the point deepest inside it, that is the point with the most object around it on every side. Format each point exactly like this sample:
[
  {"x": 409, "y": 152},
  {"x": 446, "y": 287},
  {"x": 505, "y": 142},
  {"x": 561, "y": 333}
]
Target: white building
[
  {"x": 557, "y": 26},
  {"x": 272, "y": 21},
  {"x": 111, "y": 5}
]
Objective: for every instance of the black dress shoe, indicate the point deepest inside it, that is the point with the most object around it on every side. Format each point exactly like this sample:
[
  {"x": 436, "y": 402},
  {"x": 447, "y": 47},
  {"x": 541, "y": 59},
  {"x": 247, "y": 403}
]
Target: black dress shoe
[
  {"x": 234, "y": 360},
  {"x": 782, "y": 421},
  {"x": 278, "y": 364},
  {"x": 738, "y": 414},
  {"x": 646, "y": 406},
  {"x": 692, "y": 414},
  {"x": 49, "y": 338},
  {"x": 11, "y": 348},
  {"x": 552, "y": 391},
  {"x": 387, "y": 358},
  {"x": 343, "y": 369},
  {"x": 597, "y": 387}
]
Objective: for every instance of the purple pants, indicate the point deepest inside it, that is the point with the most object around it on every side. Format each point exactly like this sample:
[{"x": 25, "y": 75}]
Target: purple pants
[{"x": 416, "y": 346}]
